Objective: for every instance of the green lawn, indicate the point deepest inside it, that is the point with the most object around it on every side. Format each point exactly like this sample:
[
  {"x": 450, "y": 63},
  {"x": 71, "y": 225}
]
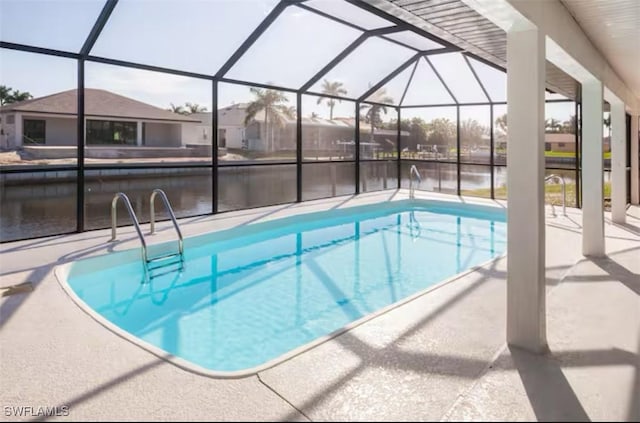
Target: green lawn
[
  {"x": 552, "y": 153},
  {"x": 553, "y": 193},
  {"x": 559, "y": 153}
]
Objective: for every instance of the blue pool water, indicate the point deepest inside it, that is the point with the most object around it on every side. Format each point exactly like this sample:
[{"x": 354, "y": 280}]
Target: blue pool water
[{"x": 246, "y": 296}]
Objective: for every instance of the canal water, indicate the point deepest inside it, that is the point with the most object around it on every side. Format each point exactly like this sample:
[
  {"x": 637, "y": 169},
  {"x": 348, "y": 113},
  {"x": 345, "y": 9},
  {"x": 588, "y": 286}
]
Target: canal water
[{"x": 30, "y": 208}]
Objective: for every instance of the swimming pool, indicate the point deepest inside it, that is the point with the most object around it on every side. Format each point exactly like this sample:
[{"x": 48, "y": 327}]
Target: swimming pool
[{"x": 254, "y": 294}]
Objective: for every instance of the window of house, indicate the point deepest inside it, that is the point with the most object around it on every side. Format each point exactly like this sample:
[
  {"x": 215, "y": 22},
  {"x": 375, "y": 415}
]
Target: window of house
[
  {"x": 547, "y": 146},
  {"x": 561, "y": 144},
  {"x": 108, "y": 132},
  {"x": 33, "y": 131}
]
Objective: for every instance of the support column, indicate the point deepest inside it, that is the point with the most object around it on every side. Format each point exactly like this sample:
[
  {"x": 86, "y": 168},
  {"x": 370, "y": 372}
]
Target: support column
[
  {"x": 18, "y": 131},
  {"x": 592, "y": 169},
  {"x": 618, "y": 163},
  {"x": 635, "y": 160},
  {"x": 81, "y": 142},
  {"x": 526, "y": 326},
  {"x": 139, "y": 134}
]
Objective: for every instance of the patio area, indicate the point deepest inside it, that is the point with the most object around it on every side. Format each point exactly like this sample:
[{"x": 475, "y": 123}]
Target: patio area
[
  {"x": 440, "y": 356},
  {"x": 243, "y": 112}
]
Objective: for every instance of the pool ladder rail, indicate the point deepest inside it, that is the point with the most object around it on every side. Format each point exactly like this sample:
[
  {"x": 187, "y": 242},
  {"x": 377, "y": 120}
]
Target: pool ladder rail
[
  {"x": 564, "y": 193},
  {"x": 162, "y": 259},
  {"x": 413, "y": 171},
  {"x": 415, "y": 229}
]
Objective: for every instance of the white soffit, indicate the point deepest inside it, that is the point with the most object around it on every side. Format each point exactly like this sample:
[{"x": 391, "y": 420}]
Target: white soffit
[{"x": 613, "y": 26}]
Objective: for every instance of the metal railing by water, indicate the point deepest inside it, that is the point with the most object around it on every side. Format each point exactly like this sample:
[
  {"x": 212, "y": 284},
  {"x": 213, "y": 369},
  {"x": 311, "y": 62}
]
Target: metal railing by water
[
  {"x": 413, "y": 171},
  {"x": 414, "y": 226},
  {"x": 167, "y": 205},
  {"x": 132, "y": 214},
  {"x": 564, "y": 193},
  {"x": 148, "y": 276}
]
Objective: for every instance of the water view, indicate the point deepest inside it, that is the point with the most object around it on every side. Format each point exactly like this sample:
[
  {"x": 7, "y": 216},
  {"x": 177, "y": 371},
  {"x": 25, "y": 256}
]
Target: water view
[{"x": 31, "y": 209}]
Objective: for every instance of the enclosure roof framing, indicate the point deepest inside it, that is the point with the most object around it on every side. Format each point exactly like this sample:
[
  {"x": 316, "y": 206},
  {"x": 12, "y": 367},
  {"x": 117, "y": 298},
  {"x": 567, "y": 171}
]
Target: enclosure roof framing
[{"x": 396, "y": 25}]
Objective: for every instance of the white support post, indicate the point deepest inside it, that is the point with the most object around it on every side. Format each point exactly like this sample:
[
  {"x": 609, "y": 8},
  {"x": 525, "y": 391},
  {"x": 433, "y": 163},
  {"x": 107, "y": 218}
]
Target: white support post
[
  {"x": 139, "y": 133},
  {"x": 635, "y": 160},
  {"x": 526, "y": 325},
  {"x": 618, "y": 163},
  {"x": 592, "y": 169},
  {"x": 18, "y": 131}
]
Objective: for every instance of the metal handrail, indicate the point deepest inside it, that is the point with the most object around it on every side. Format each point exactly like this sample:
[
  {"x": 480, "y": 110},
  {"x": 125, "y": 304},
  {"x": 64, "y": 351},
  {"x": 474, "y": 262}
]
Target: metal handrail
[
  {"x": 414, "y": 226},
  {"x": 167, "y": 205},
  {"x": 413, "y": 171},
  {"x": 564, "y": 193},
  {"x": 132, "y": 214}
]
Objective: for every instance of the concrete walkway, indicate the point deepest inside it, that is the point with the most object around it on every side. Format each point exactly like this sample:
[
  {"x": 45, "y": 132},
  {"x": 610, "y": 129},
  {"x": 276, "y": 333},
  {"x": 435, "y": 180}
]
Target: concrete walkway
[
  {"x": 592, "y": 371},
  {"x": 440, "y": 356}
]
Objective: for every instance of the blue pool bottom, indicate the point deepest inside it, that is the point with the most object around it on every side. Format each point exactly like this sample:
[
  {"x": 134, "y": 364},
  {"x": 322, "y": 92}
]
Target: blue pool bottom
[{"x": 248, "y": 295}]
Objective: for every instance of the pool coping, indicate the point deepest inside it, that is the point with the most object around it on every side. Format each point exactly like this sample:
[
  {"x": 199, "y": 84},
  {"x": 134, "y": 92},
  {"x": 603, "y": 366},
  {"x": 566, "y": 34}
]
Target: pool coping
[{"x": 61, "y": 273}]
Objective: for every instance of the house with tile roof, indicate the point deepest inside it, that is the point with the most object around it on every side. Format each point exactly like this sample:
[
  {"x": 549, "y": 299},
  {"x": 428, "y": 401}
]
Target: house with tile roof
[{"x": 111, "y": 120}]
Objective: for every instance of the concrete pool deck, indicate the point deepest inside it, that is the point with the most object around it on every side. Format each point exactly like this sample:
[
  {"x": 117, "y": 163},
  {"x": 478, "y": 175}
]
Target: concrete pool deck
[{"x": 441, "y": 356}]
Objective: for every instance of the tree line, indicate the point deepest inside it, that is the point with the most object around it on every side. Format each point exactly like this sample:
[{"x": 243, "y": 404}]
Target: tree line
[
  {"x": 187, "y": 109},
  {"x": 273, "y": 104},
  {"x": 551, "y": 125},
  {"x": 441, "y": 131}
]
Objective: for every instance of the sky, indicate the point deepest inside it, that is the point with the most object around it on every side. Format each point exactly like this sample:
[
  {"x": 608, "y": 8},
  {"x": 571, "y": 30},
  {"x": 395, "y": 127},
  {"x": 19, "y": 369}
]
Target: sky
[{"x": 200, "y": 35}]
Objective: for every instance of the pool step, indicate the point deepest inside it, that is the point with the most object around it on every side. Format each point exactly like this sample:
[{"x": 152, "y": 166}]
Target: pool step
[
  {"x": 165, "y": 265},
  {"x": 167, "y": 269},
  {"x": 164, "y": 257},
  {"x": 164, "y": 261}
]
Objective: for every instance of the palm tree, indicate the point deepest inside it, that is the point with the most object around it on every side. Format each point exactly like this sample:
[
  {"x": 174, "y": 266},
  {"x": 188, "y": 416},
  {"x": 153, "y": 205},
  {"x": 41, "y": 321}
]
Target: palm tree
[
  {"x": 17, "y": 96},
  {"x": 9, "y": 95},
  {"x": 5, "y": 94},
  {"x": 331, "y": 88},
  {"x": 553, "y": 125},
  {"x": 270, "y": 102},
  {"x": 177, "y": 109},
  {"x": 471, "y": 133},
  {"x": 194, "y": 108},
  {"x": 289, "y": 112},
  {"x": 607, "y": 123},
  {"x": 569, "y": 126},
  {"x": 373, "y": 116},
  {"x": 501, "y": 122}
]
